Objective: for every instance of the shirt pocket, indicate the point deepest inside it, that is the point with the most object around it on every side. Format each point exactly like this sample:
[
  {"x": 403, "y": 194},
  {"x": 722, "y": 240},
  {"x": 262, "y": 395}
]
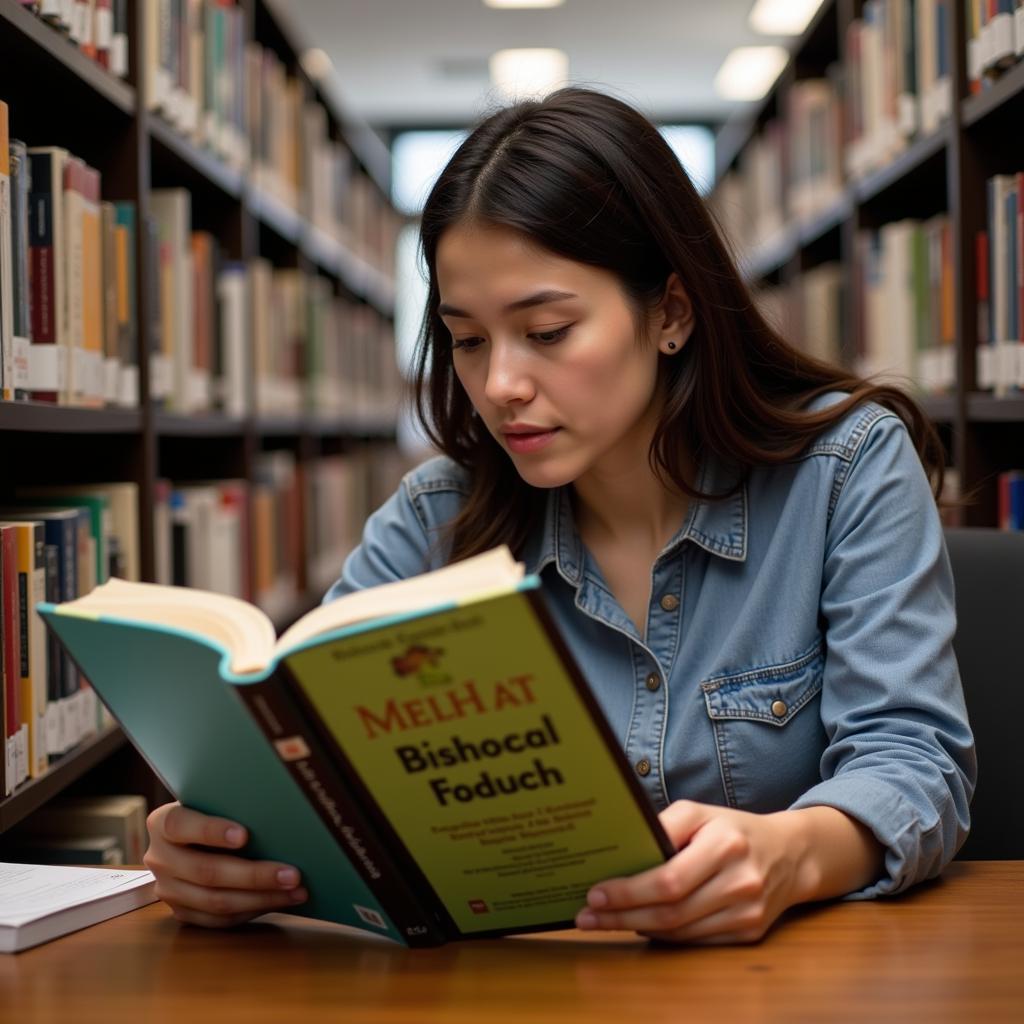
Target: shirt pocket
[{"x": 768, "y": 731}]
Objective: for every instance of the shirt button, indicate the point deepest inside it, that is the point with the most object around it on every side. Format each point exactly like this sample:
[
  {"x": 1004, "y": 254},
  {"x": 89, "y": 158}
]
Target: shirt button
[
  {"x": 670, "y": 602},
  {"x": 653, "y": 681},
  {"x": 643, "y": 766},
  {"x": 779, "y": 708}
]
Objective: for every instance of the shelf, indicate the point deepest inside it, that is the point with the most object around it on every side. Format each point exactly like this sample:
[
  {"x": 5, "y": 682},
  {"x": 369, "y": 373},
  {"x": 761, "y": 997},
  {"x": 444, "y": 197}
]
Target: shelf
[
  {"x": 984, "y": 408},
  {"x": 770, "y": 256},
  {"x": 366, "y": 427},
  {"x": 62, "y": 54},
  {"x": 272, "y": 213},
  {"x": 75, "y": 763},
  {"x": 44, "y": 418},
  {"x": 938, "y": 408},
  {"x": 207, "y": 424},
  {"x": 199, "y": 160},
  {"x": 824, "y": 221},
  {"x": 1007, "y": 89},
  {"x": 920, "y": 153}
]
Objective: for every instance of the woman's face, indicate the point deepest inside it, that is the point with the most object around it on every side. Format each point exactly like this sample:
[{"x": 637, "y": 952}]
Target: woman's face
[{"x": 546, "y": 349}]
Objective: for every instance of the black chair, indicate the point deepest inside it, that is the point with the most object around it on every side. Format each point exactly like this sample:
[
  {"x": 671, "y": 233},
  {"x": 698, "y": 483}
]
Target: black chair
[{"x": 988, "y": 570}]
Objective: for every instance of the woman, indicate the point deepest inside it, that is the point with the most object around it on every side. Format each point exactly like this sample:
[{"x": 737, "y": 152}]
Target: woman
[{"x": 739, "y": 542}]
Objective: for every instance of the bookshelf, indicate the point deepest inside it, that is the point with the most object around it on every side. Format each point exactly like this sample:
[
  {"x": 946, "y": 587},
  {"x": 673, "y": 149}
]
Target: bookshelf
[
  {"x": 942, "y": 170},
  {"x": 105, "y": 121}
]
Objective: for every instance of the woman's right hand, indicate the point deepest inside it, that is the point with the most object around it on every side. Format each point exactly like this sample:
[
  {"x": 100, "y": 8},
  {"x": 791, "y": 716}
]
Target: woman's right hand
[{"x": 217, "y": 890}]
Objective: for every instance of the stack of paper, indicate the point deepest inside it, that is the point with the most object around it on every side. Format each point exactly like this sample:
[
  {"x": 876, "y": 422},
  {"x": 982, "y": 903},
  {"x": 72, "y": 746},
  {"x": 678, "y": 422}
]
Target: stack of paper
[{"x": 39, "y": 903}]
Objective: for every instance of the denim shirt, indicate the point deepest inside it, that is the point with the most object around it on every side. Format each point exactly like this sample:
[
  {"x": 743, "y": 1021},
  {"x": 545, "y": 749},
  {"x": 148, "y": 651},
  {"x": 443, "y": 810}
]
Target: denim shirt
[{"x": 798, "y": 643}]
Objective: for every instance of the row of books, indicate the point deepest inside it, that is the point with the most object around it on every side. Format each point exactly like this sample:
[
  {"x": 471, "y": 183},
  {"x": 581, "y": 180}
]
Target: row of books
[
  {"x": 995, "y": 39},
  {"x": 239, "y": 100},
  {"x": 221, "y": 323},
  {"x": 898, "y": 78},
  {"x": 1000, "y": 286},
  {"x": 56, "y": 544},
  {"x": 278, "y": 538},
  {"x": 1011, "y": 500},
  {"x": 903, "y": 301},
  {"x": 68, "y": 324},
  {"x": 99, "y": 28},
  {"x": 67, "y": 280},
  {"x": 905, "y": 292},
  {"x": 809, "y": 311},
  {"x": 97, "y": 830}
]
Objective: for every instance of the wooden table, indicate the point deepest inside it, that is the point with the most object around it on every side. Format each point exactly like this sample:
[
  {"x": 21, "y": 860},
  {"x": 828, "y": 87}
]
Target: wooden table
[{"x": 950, "y": 951}]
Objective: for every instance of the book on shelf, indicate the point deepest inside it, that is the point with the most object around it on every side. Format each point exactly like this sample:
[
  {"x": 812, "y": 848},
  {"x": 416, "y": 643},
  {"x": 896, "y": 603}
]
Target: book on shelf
[
  {"x": 994, "y": 31},
  {"x": 6, "y": 259},
  {"x": 98, "y": 28},
  {"x": 42, "y": 902},
  {"x": 193, "y": 57},
  {"x": 75, "y": 270},
  {"x": 1011, "y": 500},
  {"x": 1000, "y": 354},
  {"x": 69, "y": 819},
  {"x": 16, "y": 743},
  {"x": 425, "y": 752},
  {"x": 905, "y": 293},
  {"x": 899, "y": 81}
]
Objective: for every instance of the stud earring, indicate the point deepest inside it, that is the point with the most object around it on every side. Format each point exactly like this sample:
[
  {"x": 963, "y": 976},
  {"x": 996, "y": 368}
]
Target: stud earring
[{"x": 672, "y": 345}]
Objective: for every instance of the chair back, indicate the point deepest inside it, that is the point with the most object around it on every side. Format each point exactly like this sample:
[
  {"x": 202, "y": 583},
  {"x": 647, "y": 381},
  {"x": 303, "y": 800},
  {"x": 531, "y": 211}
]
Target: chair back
[{"x": 988, "y": 572}]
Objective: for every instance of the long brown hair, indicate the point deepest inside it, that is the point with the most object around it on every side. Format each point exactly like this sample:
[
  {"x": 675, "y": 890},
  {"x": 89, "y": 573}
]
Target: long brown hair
[{"x": 590, "y": 179}]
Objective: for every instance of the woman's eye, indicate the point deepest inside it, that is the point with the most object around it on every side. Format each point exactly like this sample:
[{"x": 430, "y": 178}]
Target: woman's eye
[
  {"x": 549, "y": 337},
  {"x": 468, "y": 344}
]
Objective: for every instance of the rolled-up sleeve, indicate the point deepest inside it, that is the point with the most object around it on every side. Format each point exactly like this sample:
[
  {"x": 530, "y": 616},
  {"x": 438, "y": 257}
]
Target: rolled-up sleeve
[{"x": 900, "y": 757}]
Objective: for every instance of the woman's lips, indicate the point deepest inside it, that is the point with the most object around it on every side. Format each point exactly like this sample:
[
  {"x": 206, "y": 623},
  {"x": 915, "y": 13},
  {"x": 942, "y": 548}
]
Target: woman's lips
[{"x": 523, "y": 444}]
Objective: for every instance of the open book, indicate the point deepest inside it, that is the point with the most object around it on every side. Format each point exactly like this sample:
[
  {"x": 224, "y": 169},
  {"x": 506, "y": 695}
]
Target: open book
[{"x": 426, "y": 752}]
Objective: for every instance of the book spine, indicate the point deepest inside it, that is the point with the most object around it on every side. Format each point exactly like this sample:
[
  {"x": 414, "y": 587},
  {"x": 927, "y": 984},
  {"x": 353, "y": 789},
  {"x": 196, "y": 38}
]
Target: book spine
[
  {"x": 6, "y": 280},
  {"x": 21, "y": 183},
  {"x": 10, "y": 652},
  {"x": 46, "y": 273},
  {"x": 278, "y": 715}
]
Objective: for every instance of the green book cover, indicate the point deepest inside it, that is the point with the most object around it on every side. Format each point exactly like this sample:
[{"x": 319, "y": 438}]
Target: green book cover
[{"x": 445, "y": 769}]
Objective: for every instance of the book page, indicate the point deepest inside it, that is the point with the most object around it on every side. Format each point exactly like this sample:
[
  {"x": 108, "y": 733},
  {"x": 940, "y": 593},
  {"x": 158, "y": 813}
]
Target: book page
[{"x": 493, "y": 570}]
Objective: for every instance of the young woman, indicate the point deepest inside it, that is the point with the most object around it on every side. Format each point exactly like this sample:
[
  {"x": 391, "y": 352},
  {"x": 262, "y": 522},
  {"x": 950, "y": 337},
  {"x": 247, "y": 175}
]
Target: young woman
[{"x": 739, "y": 543}]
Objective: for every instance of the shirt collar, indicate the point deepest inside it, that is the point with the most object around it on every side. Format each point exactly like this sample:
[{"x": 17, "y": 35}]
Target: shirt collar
[{"x": 720, "y": 527}]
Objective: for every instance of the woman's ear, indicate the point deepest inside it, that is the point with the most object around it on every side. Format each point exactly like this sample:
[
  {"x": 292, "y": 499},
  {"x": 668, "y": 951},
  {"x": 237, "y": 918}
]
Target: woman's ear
[{"x": 674, "y": 317}]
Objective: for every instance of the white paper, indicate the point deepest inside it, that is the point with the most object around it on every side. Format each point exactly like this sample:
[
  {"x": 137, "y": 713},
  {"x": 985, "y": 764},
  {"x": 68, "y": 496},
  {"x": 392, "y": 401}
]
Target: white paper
[{"x": 32, "y": 891}]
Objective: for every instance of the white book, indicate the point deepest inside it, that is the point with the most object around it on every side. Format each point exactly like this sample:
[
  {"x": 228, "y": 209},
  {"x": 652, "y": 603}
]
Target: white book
[
  {"x": 172, "y": 210},
  {"x": 40, "y": 902}
]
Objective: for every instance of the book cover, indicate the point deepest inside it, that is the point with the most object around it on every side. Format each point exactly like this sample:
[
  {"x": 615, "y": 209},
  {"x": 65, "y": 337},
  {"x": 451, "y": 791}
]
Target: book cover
[{"x": 443, "y": 767}]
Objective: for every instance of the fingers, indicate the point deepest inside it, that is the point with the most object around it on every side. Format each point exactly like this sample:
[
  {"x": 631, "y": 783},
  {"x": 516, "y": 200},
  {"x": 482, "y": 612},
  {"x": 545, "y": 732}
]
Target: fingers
[
  {"x": 225, "y": 905},
  {"x": 209, "y": 888},
  {"x": 183, "y": 825},
  {"x": 710, "y": 846}
]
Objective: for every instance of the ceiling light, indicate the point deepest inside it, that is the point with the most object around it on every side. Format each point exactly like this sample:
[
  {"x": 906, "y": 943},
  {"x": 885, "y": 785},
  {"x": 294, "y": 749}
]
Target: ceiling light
[
  {"x": 749, "y": 71},
  {"x": 782, "y": 17},
  {"x": 519, "y": 73},
  {"x": 508, "y": 4}
]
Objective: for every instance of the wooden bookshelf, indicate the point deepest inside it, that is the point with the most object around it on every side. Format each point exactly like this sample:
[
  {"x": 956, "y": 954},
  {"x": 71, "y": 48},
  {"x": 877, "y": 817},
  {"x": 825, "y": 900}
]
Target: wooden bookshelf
[
  {"x": 71, "y": 767},
  {"x": 945, "y": 171},
  {"x": 136, "y": 150}
]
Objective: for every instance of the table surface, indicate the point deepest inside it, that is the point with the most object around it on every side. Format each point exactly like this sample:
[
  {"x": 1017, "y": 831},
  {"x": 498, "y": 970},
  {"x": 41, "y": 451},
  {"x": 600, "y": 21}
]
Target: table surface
[{"x": 951, "y": 950}]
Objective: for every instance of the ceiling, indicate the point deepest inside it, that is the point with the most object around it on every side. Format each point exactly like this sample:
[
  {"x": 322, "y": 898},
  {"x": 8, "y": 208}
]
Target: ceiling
[{"x": 402, "y": 63}]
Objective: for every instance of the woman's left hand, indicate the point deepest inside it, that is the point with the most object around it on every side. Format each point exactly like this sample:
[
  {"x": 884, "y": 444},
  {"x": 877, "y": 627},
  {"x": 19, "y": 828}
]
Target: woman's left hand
[{"x": 734, "y": 874}]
